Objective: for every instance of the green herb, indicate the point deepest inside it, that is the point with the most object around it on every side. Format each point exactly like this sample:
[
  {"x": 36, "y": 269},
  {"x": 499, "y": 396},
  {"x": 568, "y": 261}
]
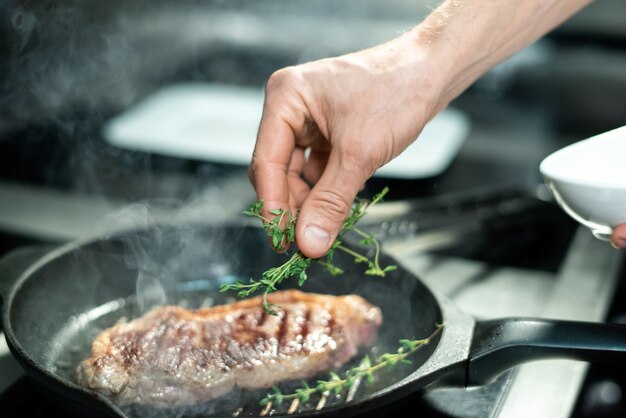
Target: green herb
[
  {"x": 367, "y": 369},
  {"x": 294, "y": 267},
  {"x": 279, "y": 234},
  {"x": 282, "y": 231}
]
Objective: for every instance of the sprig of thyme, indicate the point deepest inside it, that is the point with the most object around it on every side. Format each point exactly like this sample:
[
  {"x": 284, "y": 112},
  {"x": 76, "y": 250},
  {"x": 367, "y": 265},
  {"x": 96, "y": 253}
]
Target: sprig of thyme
[
  {"x": 294, "y": 267},
  {"x": 279, "y": 234},
  {"x": 367, "y": 369},
  {"x": 282, "y": 231}
]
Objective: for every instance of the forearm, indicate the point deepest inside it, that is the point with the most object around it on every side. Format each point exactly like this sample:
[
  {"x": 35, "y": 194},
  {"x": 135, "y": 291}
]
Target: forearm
[
  {"x": 465, "y": 38},
  {"x": 356, "y": 112}
]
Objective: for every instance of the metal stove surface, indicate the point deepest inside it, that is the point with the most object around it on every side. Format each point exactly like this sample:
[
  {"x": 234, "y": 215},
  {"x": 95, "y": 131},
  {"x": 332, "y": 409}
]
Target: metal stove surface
[
  {"x": 582, "y": 289},
  {"x": 500, "y": 254}
]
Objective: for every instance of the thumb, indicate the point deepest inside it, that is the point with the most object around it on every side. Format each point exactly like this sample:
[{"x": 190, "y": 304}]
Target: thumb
[{"x": 328, "y": 204}]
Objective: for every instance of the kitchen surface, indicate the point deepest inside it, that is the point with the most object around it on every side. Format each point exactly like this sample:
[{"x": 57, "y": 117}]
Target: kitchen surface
[{"x": 95, "y": 137}]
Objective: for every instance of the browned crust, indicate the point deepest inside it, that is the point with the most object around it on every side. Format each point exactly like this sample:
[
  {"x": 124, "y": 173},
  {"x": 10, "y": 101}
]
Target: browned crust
[{"x": 215, "y": 349}]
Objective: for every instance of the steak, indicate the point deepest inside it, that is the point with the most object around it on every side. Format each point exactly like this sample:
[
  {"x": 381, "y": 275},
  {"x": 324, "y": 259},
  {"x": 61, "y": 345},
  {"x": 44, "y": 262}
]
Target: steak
[{"x": 174, "y": 357}]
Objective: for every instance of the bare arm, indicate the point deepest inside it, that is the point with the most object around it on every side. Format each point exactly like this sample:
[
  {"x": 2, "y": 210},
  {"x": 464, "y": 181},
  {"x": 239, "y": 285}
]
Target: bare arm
[
  {"x": 472, "y": 36},
  {"x": 358, "y": 111}
]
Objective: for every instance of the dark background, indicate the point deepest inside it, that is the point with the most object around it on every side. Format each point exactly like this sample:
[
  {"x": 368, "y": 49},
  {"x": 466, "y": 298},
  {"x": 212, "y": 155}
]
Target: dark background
[{"x": 66, "y": 67}]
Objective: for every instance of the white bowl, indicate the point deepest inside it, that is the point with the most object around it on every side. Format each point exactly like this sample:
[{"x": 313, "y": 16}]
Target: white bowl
[{"x": 588, "y": 180}]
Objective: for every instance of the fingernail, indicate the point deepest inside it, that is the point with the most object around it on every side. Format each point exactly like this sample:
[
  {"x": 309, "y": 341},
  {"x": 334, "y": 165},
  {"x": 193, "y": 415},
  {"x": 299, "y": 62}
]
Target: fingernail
[
  {"x": 620, "y": 244},
  {"x": 316, "y": 237}
]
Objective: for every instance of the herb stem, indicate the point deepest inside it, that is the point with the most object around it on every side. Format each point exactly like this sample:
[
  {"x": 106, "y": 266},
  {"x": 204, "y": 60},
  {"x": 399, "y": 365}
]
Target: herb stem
[
  {"x": 359, "y": 257},
  {"x": 330, "y": 267},
  {"x": 361, "y": 233},
  {"x": 371, "y": 238},
  {"x": 365, "y": 369}
]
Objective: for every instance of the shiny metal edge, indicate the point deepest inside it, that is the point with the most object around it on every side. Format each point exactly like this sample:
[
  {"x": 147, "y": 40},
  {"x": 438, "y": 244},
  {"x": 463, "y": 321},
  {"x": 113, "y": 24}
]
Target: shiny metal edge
[{"x": 583, "y": 291}]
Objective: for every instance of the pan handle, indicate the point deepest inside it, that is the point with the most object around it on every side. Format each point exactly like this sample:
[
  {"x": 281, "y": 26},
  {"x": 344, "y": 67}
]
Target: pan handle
[
  {"x": 503, "y": 343},
  {"x": 15, "y": 263}
]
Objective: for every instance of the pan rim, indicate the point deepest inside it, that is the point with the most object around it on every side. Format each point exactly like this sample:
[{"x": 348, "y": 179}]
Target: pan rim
[
  {"x": 384, "y": 396},
  {"x": 13, "y": 341}
]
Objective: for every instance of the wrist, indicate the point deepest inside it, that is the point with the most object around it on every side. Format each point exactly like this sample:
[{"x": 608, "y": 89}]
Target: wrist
[
  {"x": 427, "y": 69},
  {"x": 422, "y": 72},
  {"x": 451, "y": 61}
]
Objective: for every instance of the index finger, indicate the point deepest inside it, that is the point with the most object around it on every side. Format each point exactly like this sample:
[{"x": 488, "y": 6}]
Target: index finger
[{"x": 270, "y": 161}]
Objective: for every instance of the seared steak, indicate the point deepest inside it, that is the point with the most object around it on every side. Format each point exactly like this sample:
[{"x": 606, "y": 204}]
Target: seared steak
[{"x": 173, "y": 356}]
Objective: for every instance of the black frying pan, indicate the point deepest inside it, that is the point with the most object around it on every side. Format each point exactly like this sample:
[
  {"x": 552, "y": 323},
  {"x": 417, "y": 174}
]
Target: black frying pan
[{"x": 55, "y": 304}]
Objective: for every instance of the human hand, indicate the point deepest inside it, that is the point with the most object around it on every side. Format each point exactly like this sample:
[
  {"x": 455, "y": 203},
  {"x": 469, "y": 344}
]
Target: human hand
[
  {"x": 618, "y": 238},
  {"x": 354, "y": 113}
]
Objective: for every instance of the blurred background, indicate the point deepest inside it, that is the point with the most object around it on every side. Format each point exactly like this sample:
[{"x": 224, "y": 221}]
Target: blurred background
[{"x": 98, "y": 102}]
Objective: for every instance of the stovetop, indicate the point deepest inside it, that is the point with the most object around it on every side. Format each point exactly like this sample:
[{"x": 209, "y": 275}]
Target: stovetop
[
  {"x": 494, "y": 245},
  {"x": 59, "y": 180},
  {"x": 501, "y": 258},
  {"x": 483, "y": 234},
  {"x": 461, "y": 245}
]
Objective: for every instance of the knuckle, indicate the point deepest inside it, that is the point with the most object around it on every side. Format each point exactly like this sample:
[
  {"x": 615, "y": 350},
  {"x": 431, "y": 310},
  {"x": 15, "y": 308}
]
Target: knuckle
[
  {"x": 253, "y": 169},
  {"x": 280, "y": 79},
  {"x": 332, "y": 205},
  {"x": 252, "y": 175}
]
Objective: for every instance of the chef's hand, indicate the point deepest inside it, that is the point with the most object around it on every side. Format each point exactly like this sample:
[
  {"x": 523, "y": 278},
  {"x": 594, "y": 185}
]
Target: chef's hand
[
  {"x": 618, "y": 239},
  {"x": 356, "y": 112}
]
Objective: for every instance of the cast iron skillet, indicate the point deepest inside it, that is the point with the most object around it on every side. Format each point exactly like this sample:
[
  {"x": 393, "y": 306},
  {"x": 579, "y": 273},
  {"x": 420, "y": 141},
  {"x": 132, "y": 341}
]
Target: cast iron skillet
[{"x": 55, "y": 304}]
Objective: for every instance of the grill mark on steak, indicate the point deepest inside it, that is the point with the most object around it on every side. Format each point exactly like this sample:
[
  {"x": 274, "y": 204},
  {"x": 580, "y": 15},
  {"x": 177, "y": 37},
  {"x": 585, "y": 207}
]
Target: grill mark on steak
[
  {"x": 263, "y": 317},
  {"x": 172, "y": 356},
  {"x": 304, "y": 330},
  {"x": 282, "y": 329},
  {"x": 129, "y": 350}
]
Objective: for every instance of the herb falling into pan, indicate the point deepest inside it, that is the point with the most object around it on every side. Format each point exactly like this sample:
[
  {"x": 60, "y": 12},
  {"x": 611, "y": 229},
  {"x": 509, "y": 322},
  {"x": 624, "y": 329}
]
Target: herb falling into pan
[
  {"x": 366, "y": 369},
  {"x": 282, "y": 231}
]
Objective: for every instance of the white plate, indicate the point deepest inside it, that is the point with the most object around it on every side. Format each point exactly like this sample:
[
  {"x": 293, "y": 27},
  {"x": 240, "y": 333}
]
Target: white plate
[
  {"x": 588, "y": 180},
  {"x": 218, "y": 123}
]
